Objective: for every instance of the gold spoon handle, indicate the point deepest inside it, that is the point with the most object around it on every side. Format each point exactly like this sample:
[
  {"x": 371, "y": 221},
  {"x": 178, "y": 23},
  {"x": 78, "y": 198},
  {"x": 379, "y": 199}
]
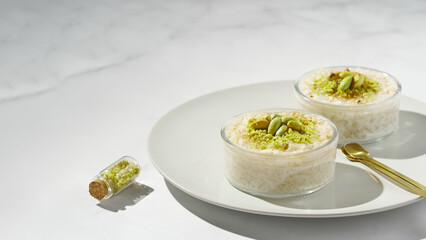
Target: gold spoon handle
[{"x": 395, "y": 175}]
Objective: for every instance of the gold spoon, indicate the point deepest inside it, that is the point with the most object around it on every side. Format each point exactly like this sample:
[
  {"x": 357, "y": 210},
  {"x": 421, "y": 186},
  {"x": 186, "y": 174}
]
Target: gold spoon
[{"x": 355, "y": 152}]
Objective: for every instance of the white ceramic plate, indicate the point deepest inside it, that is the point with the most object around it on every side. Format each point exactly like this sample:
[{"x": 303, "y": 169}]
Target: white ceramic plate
[{"x": 186, "y": 148}]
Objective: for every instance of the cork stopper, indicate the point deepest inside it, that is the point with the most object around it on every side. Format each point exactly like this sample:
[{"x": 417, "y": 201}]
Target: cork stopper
[{"x": 98, "y": 189}]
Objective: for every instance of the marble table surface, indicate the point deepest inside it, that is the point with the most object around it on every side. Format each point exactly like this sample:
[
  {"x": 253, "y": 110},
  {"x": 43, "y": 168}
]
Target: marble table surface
[{"x": 83, "y": 82}]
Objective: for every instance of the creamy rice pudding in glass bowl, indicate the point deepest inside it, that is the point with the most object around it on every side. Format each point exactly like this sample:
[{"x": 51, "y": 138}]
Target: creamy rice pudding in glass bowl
[
  {"x": 279, "y": 152},
  {"x": 362, "y": 102}
]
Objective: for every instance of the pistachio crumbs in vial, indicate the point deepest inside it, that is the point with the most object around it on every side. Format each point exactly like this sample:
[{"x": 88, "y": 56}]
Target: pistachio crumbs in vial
[
  {"x": 114, "y": 178},
  {"x": 279, "y": 153},
  {"x": 362, "y": 102}
]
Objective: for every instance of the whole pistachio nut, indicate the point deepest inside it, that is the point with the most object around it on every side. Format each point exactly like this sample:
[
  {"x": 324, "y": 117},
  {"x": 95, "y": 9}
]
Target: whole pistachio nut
[
  {"x": 274, "y": 125},
  {"x": 345, "y": 83},
  {"x": 272, "y": 116},
  {"x": 358, "y": 80},
  {"x": 281, "y": 130},
  {"x": 345, "y": 74},
  {"x": 295, "y": 125},
  {"x": 261, "y": 123},
  {"x": 357, "y": 76},
  {"x": 288, "y": 118}
]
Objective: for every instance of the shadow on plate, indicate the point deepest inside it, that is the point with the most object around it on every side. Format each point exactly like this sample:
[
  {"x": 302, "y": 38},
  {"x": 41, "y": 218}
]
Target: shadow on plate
[
  {"x": 407, "y": 142},
  {"x": 351, "y": 186},
  {"x": 256, "y": 226},
  {"x": 128, "y": 197}
]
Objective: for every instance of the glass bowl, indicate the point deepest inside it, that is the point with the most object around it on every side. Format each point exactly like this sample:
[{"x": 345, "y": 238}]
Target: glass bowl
[
  {"x": 356, "y": 122},
  {"x": 274, "y": 173}
]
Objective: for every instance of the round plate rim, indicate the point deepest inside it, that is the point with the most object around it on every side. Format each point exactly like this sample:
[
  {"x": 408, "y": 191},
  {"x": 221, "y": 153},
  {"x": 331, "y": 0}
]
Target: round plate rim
[{"x": 317, "y": 213}]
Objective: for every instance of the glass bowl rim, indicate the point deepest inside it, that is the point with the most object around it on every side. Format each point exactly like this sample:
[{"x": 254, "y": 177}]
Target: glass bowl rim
[
  {"x": 346, "y": 106},
  {"x": 333, "y": 138}
]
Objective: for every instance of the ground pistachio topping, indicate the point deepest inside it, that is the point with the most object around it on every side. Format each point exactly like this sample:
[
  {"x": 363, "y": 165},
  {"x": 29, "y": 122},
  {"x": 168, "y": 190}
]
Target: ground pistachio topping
[
  {"x": 278, "y": 130},
  {"x": 346, "y": 84},
  {"x": 120, "y": 174}
]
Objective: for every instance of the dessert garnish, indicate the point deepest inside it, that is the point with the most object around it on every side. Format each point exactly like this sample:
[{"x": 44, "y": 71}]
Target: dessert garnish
[
  {"x": 277, "y": 130},
  {"x": 346, "y": 84}
]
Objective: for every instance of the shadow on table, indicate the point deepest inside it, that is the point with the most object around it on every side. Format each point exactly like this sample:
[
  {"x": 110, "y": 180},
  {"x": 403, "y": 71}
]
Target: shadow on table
[
  {"x": 402, "y": 223},
  {"x": 128, "y": 197},
  {"x": 407, "y": 142}
]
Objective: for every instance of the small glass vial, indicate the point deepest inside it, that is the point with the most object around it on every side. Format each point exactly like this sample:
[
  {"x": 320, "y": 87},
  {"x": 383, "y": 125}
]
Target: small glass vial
[{"x": 114, "y": 178}]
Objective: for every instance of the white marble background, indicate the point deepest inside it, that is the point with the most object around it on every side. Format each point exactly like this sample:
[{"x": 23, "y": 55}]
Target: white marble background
[
  {"x": 44, "y": 43},
  {"x": 82, "y": 83}
]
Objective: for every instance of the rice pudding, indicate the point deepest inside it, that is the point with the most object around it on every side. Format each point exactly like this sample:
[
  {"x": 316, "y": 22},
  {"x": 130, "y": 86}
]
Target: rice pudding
[
  {"x": 363, "y": 103},
  {"x": 279, "y": 152}
]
